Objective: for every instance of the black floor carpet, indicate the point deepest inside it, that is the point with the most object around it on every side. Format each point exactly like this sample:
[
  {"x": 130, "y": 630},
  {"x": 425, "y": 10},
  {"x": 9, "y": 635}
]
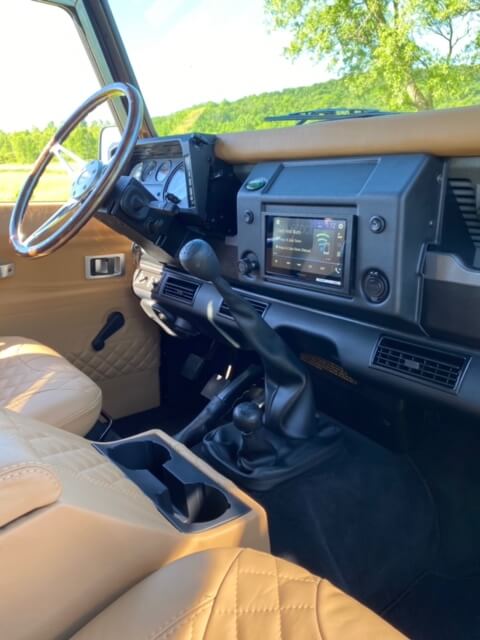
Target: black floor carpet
[
  {"x": 398, "y": 532},
  {"x": 444, "y": 605},
  {"x": 165, "y": 417},
  {"x": 364, "y": 520},
  {"x": 439, "y": 608}
]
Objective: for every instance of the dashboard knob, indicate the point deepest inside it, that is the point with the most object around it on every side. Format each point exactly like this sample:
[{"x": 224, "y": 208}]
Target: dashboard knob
[
  {"x": 375, "y": 286},
  {"x": 248, "y": 216},
  {"x": 248, "y": 264},
  {"x": 377, "y": 224}
]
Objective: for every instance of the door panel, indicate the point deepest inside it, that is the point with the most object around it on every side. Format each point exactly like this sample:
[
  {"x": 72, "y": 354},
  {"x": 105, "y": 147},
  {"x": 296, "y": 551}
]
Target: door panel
[{"x": 51, "y": 300}]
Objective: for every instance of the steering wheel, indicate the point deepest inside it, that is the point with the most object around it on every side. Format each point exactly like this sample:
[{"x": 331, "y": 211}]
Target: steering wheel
[{"x": 91, "y": 182}]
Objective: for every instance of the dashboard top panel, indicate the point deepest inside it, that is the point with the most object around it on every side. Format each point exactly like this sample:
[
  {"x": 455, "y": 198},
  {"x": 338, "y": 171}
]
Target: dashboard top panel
[{"x": 444, "y": 133}]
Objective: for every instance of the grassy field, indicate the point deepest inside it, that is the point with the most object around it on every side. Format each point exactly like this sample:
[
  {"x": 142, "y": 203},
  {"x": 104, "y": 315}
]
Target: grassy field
[{"x": 54, "y": 185}]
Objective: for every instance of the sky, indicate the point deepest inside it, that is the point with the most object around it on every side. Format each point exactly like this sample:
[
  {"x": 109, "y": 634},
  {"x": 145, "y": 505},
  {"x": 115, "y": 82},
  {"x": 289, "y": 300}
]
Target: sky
[{"x": 184, "y": 52}]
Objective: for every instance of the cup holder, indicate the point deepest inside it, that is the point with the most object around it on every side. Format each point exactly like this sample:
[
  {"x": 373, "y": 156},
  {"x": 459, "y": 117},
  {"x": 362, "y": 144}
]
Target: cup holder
[
  {"x": 185, "y": 495},
  {"x": 201, "y": 503},
  {"x": 140, "y": 454}
]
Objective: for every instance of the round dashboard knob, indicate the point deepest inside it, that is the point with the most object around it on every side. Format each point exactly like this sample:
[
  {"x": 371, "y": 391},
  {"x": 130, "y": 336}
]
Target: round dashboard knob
[
  {"x": 248, "y": 264},
  {"x": 377, "y": 224},
  {"x": 375, "y": 286}
]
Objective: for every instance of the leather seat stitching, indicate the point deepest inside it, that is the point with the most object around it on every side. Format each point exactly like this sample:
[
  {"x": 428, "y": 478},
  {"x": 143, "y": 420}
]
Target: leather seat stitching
[
  {"x": 21, "y": 465},
  {"x": 277, "y": 583},
  {"x": 222, "y": 582},
  {"x": 24, "y": 472},
  {"x": 165, "y": 631},
  {"x": 280, "y": 576},
  {"x": 266, "y": 609},
  {"x": 317, "y": 616},
  {"x": 77, "y": 414},
  {"x": 237, "y": 564}
]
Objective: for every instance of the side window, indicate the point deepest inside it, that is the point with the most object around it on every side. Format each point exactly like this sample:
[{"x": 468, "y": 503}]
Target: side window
[{"x": 46, "y": 74}]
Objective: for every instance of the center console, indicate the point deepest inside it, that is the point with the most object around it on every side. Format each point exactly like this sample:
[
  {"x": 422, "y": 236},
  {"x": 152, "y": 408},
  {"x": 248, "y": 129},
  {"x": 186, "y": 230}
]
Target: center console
[
  {"x": 90, "y": 532},
  {"x": 346, "y": 233}
]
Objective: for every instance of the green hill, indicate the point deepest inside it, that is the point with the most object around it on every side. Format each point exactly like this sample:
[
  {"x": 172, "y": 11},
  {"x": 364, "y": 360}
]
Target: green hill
[{"x": 249, "y": 112}]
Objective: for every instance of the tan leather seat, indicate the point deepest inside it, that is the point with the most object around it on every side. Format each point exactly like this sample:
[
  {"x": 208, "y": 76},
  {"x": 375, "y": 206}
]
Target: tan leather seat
[
  {"x": 236, "y": 594},
  {"x": 37, "y": 382}
]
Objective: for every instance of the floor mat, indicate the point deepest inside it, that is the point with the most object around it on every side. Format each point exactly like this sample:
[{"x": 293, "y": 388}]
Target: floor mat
[
  {"x": 364, "y": 520},
  {"x": 439, "y": 608},
  {"x": 448, "y": 458}
]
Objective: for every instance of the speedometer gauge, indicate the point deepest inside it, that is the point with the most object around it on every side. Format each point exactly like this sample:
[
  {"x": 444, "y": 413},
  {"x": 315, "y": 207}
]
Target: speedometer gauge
[
  {"x": 177, "y": 185},
  {"x": 163, "y": 170},
  {"x": 148, "y": 171},
  {"x": 137, "y": 171}
]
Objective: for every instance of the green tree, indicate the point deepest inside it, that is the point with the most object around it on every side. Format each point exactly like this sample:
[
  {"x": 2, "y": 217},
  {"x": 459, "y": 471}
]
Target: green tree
[{"x": 406, "y": 47}]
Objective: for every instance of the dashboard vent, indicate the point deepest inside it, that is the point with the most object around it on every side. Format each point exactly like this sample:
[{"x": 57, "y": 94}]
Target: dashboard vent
[
  {"x": 259, "y": 306},
  {"x": 466, "y": 198},
  {"x": 178, "y": 289},
  {"x": 433, "y": 367}
]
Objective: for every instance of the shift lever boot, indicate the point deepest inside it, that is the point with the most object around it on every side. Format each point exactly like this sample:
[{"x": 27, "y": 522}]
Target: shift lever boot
[{"x": 289, "y": 401}]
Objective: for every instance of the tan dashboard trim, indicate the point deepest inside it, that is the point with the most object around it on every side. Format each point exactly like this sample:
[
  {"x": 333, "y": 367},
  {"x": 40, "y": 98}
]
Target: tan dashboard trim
[{"x": 448, "y": 132}]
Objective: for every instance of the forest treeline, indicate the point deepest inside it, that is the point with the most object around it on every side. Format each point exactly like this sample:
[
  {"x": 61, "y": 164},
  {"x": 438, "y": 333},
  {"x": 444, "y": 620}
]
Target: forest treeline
[
  {"x": 246, "y": 113},
  {"x": 23, "y": 147}
]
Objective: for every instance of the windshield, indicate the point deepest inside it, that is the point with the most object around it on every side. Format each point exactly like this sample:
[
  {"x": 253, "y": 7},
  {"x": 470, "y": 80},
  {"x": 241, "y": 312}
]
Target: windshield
[{"x": 216, "y": 66}]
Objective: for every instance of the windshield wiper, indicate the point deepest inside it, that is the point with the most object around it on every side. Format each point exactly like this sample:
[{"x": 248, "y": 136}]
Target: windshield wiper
[{"x": 338, "y": 113}]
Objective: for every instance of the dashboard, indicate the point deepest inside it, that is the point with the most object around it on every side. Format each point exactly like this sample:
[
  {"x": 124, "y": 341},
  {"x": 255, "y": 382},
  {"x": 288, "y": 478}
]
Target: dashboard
[{"x": 363, "y": 262}]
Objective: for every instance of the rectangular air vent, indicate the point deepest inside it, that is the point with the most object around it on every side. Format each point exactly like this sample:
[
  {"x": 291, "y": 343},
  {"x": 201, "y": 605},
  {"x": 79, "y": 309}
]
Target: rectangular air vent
[
  {"x": 179, "y": 289},
  {"x": 466, "y": 198},
  {"x": 259, "y": 306},
  {"x": 427, "y": 365}
]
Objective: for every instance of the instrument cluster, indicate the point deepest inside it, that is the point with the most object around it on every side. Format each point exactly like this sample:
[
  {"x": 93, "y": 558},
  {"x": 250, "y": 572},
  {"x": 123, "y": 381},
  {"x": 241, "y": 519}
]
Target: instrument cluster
[{"x": 165, "y": 178}]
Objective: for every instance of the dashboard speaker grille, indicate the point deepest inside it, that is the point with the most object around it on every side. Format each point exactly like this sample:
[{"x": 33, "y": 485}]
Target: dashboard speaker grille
[
  {"x": 433, "y": 367},
  {"x": 178, "y": 289},
  {"x": 259, "y": 306}
]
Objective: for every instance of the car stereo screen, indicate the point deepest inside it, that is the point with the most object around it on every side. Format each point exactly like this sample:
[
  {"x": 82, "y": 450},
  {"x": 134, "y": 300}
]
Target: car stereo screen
[{"x": 307, "y": 249}]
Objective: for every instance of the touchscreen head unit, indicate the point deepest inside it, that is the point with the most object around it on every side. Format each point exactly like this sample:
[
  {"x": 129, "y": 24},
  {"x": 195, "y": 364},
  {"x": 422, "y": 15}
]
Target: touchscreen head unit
[{"x": 309, "y": 250}]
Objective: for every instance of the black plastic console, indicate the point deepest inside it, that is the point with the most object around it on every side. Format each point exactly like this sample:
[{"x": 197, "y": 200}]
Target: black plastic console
[{"x": 186, "y": 496}]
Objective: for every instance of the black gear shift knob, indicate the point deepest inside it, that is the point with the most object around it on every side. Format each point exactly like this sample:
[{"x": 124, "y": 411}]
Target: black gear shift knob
[
  {"x": 247, "y": 417},
  {"x": 199, "y": 259}
]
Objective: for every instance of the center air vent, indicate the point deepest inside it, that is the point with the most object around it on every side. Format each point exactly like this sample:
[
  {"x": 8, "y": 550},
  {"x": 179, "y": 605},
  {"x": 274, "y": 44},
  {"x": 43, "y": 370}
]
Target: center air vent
[
  {"x": 259, "y": 306},
  {"x": 178, "y": 289},
  {"x": 433, "y": 367}
]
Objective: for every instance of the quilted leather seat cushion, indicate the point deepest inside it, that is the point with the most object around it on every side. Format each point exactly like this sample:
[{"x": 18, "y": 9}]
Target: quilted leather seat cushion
[
  {"x": 236, "y": 594},
  {"x": 37, "y": 382}
]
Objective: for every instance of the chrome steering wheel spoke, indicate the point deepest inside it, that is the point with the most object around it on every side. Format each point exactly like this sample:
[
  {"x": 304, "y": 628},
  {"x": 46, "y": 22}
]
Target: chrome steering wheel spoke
[
  {"x": 53, "y": 221},
  {"x": 69, "y": 160}
]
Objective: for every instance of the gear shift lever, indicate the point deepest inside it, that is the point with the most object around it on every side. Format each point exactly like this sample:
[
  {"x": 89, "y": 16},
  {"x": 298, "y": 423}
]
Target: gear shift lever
[
  {"x": 254, "y": 449},
  {"x": 289, "y": 402}
]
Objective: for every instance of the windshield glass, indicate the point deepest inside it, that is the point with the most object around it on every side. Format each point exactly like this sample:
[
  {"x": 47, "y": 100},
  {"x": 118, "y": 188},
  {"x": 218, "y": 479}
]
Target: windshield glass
[{"x": 216, "y": 66}]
